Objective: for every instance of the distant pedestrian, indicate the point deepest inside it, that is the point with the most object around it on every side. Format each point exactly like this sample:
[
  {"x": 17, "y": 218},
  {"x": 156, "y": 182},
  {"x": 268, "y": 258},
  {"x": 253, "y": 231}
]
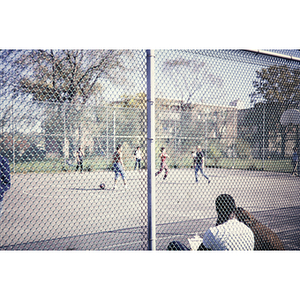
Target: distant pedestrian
[
  {"x": 199, "y": 163},
  {"x": 4, "y": 179},
  {"x": 295, "y": 162},
  {"x": 163, "y": 164},
  {"x": 138, "y": 158},
  {"x": 118, "y": 166},
  {"x": 79, "y": 159}
]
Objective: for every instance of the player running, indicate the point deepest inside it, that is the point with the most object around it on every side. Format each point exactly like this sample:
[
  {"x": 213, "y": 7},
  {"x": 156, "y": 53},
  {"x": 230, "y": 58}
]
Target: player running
[
  {"x": 199, "y": 163},
  {"x": 118, "y": 166},
  {"x": 163, "y": 164},
  {"x": 79, "y": 159}
]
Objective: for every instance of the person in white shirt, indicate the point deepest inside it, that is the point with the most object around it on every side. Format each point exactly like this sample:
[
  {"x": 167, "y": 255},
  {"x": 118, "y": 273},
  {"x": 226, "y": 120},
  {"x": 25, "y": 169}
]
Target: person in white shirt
[
  {"x": 138, "y": 158},
  {"x": 228, "y": 234},
  {"x": 231, "y": 235}
]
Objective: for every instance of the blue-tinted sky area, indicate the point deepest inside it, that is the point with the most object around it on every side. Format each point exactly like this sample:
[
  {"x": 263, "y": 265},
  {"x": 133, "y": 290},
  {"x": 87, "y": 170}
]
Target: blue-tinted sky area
[
  {"x": 203, "y": 79},
  {"x": 199, "y": 77},
  {"x": 188, "y": 76}
]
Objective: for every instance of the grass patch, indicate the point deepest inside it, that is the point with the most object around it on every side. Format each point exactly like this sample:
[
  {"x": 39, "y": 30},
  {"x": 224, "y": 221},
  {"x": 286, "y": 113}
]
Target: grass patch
[
  {"x": 283, "y": 166},
  {"x": 93, "y": 164}
]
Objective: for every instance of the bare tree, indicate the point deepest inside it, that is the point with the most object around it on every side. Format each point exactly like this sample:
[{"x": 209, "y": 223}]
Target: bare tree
[
  {"x": 63, "y": 75},
  {"x": 193, "y": 77},
  {"x": 60, "y": 77}
]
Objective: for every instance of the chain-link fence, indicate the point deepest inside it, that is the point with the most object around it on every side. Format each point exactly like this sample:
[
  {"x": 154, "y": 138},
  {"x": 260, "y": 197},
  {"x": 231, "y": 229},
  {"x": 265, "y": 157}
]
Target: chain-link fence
[{"x": 74, "y": 130}]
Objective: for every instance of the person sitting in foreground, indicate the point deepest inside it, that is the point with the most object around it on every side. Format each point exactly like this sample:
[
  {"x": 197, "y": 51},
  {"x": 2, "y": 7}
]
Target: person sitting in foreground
[{"x": 228, "y": 234}]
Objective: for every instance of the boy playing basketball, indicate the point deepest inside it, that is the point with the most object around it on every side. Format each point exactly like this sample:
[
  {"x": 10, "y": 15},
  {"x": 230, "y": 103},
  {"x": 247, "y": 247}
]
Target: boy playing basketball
[
  {"x": 118, "y": 166},
  {"x": 163, "y": 164},
  {"x": 199, "y": 163}
]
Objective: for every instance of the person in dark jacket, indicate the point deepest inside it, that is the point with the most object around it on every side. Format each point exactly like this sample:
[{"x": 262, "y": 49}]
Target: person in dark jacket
[
  {"x": 79, "y": 159},
  {"x": 4, "y": 179},
  {"x": 198, "y": 157}
]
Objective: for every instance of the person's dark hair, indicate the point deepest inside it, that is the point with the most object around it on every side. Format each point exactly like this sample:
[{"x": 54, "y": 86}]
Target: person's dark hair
[
  {"x": 225, "y": 205},
  {"x": 162, "y": 149},
  {"x": 138, "y": 147},
  {"x": 79, "y": 148},
  {"x": 119, "y": 146}
]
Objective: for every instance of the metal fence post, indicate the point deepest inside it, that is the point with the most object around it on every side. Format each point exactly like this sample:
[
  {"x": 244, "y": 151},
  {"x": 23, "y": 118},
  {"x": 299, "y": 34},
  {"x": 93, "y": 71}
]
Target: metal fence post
[
  {"x": 151, "y": 149},
  {"x": 114, "y": 130},
  {"x": 264, "y": 120},
  {"x": 13, "y": 135}
]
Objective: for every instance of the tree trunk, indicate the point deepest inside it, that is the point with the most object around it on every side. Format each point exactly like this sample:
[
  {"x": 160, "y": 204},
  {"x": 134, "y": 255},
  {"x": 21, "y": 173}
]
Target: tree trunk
[{"x": 283, "y": 140}]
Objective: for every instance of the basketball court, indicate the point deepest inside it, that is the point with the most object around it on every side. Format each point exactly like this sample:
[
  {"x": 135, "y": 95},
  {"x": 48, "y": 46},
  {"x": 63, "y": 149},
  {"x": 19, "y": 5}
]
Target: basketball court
[{"x": 69, "y": 210}]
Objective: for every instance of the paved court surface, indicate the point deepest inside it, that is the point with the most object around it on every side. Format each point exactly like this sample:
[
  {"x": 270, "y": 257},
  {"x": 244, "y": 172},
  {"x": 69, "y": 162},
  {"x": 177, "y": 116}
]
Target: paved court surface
[{"x": 69, "y": 211}]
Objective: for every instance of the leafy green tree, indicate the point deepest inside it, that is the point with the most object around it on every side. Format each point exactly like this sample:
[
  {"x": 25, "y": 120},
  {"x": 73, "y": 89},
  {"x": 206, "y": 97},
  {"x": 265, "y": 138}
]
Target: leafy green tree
[
  {"x": 243, "y": 149},
  {"x": 261, "y": 123},
  {"x": 278, "y": 84},
  {"x": 215, "y": 152},
  {"x": 277, "y": 88}
]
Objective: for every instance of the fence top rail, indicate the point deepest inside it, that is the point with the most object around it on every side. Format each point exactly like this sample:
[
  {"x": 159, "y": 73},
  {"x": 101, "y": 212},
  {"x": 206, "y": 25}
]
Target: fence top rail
[{"x": 273, "y": 54}]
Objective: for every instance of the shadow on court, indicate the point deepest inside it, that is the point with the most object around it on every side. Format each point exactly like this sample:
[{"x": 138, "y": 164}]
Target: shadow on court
[{"x": 283, "y": 221}]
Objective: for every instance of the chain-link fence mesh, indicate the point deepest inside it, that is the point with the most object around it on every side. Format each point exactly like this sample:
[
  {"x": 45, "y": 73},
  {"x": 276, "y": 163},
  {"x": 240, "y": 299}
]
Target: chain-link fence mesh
[{"x": 226, "y": 124}]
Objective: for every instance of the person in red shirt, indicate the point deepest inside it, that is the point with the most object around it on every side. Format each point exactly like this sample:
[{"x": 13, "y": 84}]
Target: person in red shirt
[{"x": 163, "y": 164}]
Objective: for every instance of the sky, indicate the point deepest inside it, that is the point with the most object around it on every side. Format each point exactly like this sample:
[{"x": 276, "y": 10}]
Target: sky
[{"x": 237, "y": 77}]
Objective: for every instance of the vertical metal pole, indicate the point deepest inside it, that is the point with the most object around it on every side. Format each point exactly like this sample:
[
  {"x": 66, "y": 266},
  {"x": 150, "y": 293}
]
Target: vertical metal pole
[
  {"x": 114, "y": 130},
  {"x": 107, "y": 134},
  {"x": 206, "y": 113},
  {"x": 65, "y": 135},
  {"x": 235, "y": 137},
  {"x": 13, "y": 135},
  {"x": 264, "y": 118},
  {"x": 175, "y": 137},
  {"x": 151, "y": 149}
]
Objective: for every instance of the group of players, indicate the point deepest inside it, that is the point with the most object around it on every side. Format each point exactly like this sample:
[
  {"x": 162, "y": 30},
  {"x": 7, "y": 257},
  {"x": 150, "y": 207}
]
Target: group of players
[
  {"x": 119, "y": 169},
  {"x": 118, "y": 165}
]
